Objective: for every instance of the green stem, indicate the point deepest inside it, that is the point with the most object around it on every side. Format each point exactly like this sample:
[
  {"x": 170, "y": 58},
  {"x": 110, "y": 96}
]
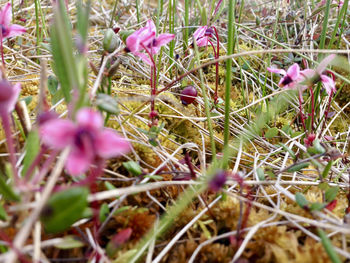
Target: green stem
[
  {"x": 206, "y": 106},
  {"x": 187, "y": 13},
  {"x": 231, "y": 16}
]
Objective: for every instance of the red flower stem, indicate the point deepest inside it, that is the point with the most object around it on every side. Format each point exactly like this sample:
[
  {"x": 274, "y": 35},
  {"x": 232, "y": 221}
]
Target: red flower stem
[
  {"x": 45, "y": 168},
  {"x": 153, "y": 81},
  {"x": 312, "y": 108},
  {"x": 301, "y": 111},
  {"x": 2, "y": 50},
  {"x": 35, "y": 163},
  {"x": 216, "y": 72},
  {"x": 217, "y": 64},
  {"x": 326, "y": 113},
  {"x": 7, "y": 128}
]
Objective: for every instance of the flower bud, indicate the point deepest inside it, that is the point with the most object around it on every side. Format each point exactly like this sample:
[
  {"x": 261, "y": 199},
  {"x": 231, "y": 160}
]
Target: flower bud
[
  {"x": 188, "y": 95},
  {"x": 110, "y": 41}
]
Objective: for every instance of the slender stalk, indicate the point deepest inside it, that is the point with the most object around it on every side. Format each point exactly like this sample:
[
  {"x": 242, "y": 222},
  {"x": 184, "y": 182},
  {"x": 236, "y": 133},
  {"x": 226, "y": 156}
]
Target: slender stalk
[
  {"x": 7, "y": 128},
  {"x": 301, "y": 110},
  {"x": 312, "y": 109},
  {"x": 2, "y": 49},
  {"x": 113, "y": 13},
  {"x": 187, "y": 14},
  {"x": 37, "y": 27},
  {"x": 138, "y": 11},
  {"x": 206, "y": 106},
  {"x": 231, "y": 16},
  {"x": 216, "y": 65}
]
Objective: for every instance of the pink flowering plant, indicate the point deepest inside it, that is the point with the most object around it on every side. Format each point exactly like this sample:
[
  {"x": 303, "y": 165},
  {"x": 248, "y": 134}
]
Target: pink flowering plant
[
  {"x": 93, "y": 170},
  {"x": 302, "y": 80},
  {"x": 146, "y": 39}
]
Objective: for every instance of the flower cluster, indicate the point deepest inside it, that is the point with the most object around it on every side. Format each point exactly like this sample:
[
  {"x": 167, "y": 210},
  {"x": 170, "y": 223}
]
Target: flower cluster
[
  {"x": 145, "y": 39},
  {"x": 294, "y": 77}
]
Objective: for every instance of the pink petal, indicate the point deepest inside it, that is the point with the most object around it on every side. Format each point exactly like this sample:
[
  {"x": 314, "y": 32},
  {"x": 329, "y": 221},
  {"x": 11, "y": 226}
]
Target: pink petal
[
  {"x": 78, "y": 161},
  {"x": 14, "y": 97},
  {"x": 164, "y": 39},
  {"x": 308, "y": 73},
  {"x": 87, "y": 117},
  {"x": 140, "y": 38},
  {"x": 293, "y": 71},
  {"x": 151, "y": 26},
  {"x": 144, "y": 57},
  {"x": 160, "y": 41},
  {"x": 200, "y": 32},
  {"x": 203, "y": 42},
  {"x": 58, "y": 133},
  {"x": 109, "y": 144},
  {"x": 16, "y": 30},
  {"x": 277, "y": 70},
  {"x": 328, "y": 84},
  {"x": 6, "y": 15},
  {"x": 324, "y": 63}
]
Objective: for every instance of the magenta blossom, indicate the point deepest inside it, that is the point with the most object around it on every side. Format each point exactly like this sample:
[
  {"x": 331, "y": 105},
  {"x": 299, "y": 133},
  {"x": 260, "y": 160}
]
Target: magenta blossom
[
  {"x": 87, "y": 139},
  {"x": 145, "y": 38},
  {"x": 201, "y": 36},
  {"x": 318, "y": 75},
  {"x": 291, "y": 77},
  {"x": 8, "y": 30},
  {"x": 8, "y": 96}
]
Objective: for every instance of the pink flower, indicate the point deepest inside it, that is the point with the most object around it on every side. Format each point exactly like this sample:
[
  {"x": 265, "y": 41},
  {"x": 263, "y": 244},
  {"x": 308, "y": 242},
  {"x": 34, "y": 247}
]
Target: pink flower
[
  {"x": 202, "y": 35},
  {"x": 8, "y": 96},
  {"x": 8, "y": 30},
  {"x": 145, "y": 38},
  {"x": 327, "y": 82},
  {"x": 291, "y": 77},
  {"x": 87, "y": 138}
]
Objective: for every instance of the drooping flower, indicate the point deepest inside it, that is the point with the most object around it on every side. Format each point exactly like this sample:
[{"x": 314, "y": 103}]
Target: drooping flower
[
  {"x": 8, "y": 96},
  {"x": 87, "y": 138},
  {"x": 8, "y": 30},
  {"x": 318, "y": 75},
  {"x": 291, "y": 77},
  {"x": 202, "y": 35},
  {"x": 145, "y": 38}
]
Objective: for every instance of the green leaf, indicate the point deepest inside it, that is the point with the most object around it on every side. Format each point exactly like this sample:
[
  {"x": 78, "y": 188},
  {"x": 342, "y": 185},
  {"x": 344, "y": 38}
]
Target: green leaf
[
  {"x": 287, "y": 129},
  {"x": 260, "y": 173},
  {"x": 7, "y": 192},
  {"x": 289, "y": 150},
  {"x": 107, "y": 103},
  {"x": 295, "y": 134},
  {"x": 62, "y": 51},
  {"x": 323, "y": 186},
  {"x": 298, "y": 167},
  {"x": 109, "y": 186},
  {"x": 125, "y": 33},
  {"x": 64, "y": 208},
  {"x": 301, "y": 200},
  {"x": 104, "y": 211},
  {"x": 155, "y": 177},
  {"x": 52, "y": 84},
  {"x": 3, "y": 214},
  {"x": 317, "y": 206},
  {"x": 331, "y": 193},
  {"x": 316, "y": 148},
  {"x": 327, "y": 169},
  {"x": 133, "y": 168},
  {"x": 327, "y": 244},
  {"x": 83, "y": 12},
  {"x": 271, "y": 133},
  {"x": 32, "y": 149},
  {"x": 69, "y": 242}
]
